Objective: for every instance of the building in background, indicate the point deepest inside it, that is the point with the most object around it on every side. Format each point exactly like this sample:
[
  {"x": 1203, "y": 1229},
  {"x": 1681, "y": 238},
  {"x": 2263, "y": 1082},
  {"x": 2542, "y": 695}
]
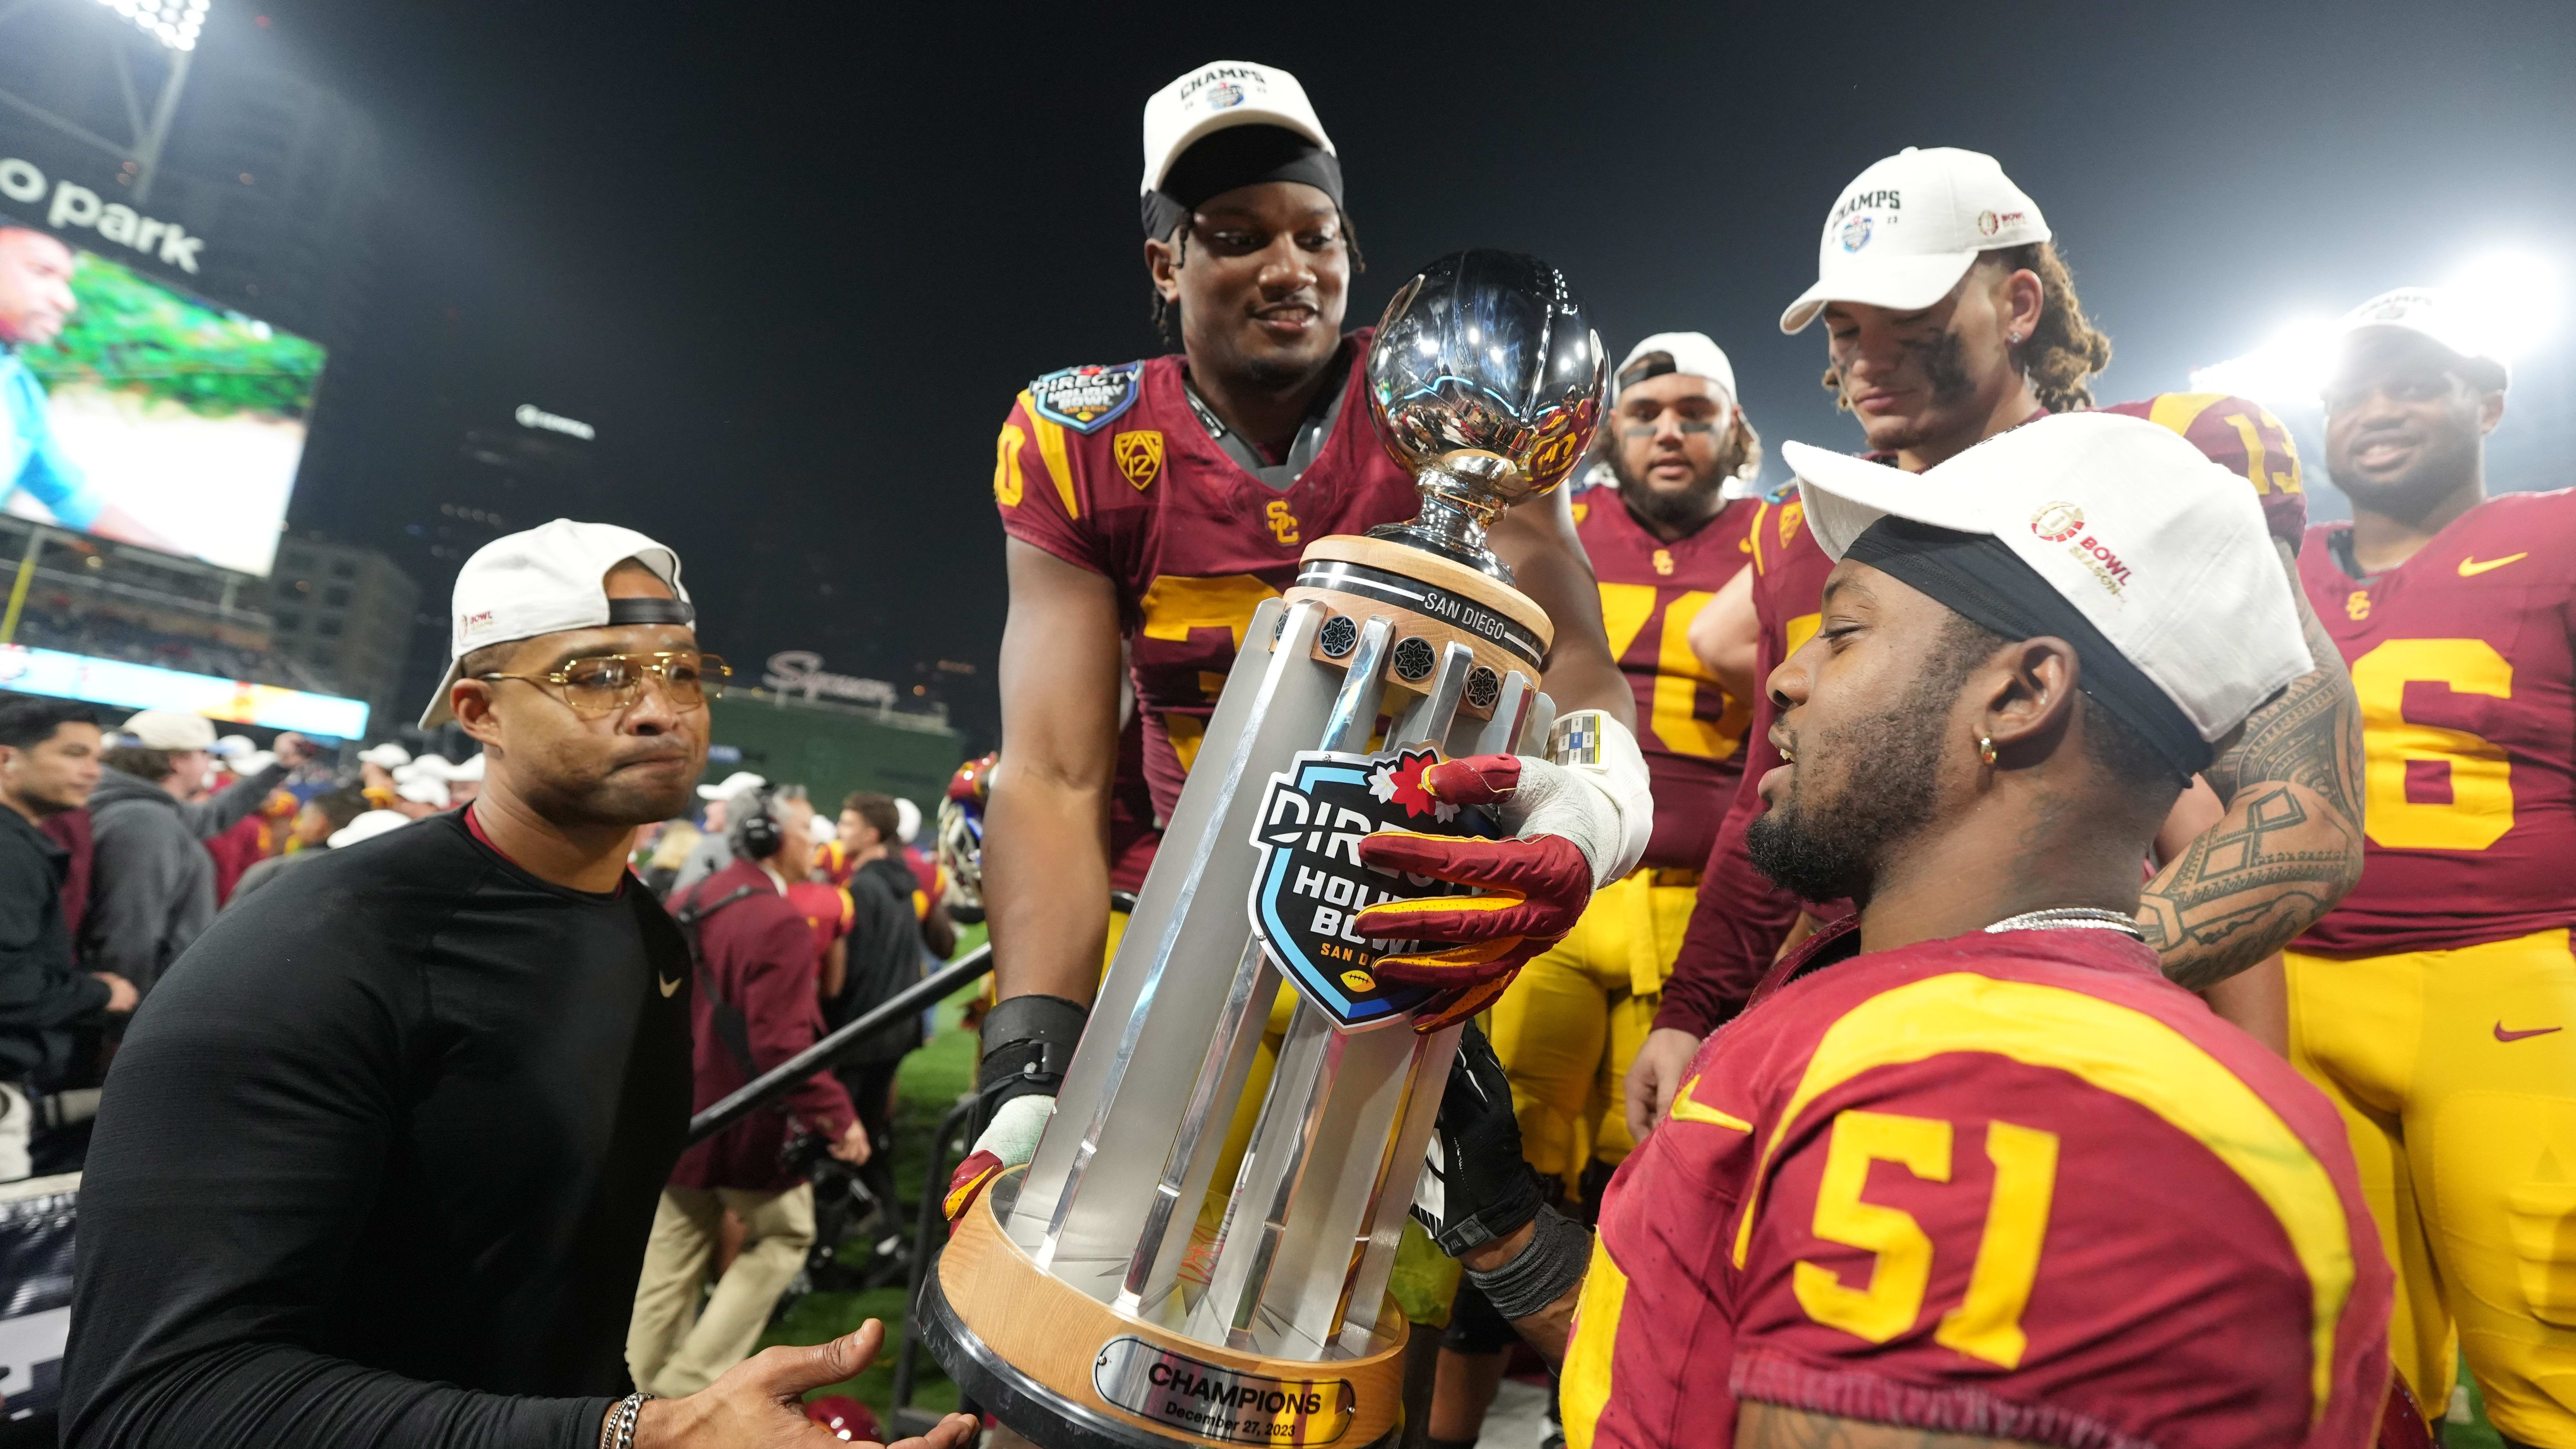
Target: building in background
[{"x": 346, "y": 615}]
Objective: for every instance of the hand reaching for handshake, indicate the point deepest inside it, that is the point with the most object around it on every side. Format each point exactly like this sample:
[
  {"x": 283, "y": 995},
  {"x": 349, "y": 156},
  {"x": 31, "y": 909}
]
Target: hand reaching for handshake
[{"x": 759, "y": 1403}]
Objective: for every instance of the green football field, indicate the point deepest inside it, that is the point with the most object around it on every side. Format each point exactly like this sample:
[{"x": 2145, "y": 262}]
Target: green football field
[{"x": 932, "y": 1080}]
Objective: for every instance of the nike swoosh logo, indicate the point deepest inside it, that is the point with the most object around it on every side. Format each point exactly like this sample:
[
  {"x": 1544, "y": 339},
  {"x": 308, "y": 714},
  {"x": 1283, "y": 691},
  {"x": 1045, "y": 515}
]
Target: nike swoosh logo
[
  {"x": 2470, "y": 568},
  {"x": 670, "y": 986},
  {"x": 2504, "y": 1035}
]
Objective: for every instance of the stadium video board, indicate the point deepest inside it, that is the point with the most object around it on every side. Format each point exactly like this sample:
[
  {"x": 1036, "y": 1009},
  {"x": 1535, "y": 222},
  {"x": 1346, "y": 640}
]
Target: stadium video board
[
  {"x": 149, "y": 686},
  {"x": 136, "y": 411}
]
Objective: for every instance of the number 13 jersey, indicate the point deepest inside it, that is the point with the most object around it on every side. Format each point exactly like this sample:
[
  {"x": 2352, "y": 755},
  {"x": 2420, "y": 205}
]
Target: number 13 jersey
[{"x": 2461, "y": 659}]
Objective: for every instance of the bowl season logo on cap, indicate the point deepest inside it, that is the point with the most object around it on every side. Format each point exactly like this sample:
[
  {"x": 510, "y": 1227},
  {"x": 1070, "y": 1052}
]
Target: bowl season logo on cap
[
  {"x": 1085, "y": 398},
  {"x": 2057, "y": 522}
]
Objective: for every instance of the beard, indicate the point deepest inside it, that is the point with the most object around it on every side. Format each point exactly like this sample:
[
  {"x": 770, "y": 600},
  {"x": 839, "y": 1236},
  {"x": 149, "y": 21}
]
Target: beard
[
  {"x": 1944, "y": 359},
  {"x": 1681, "y": 508},
  {"x": 2448, "y": 459},
  {"x": 1828, "y": 847}
]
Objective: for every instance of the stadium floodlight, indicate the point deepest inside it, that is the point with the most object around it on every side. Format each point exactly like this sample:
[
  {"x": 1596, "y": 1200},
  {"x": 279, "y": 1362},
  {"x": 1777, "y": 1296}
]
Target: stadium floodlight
[
  {"x": 2285, "y": 373},
  {"x": 2508, "y": 299},
  {"x": 175, "y": 23}
]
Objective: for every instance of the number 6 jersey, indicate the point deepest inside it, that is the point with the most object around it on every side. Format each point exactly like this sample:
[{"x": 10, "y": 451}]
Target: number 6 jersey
[
  {"x": 2015, "y": 1185},
  {"x": 2461, "y": 659}
]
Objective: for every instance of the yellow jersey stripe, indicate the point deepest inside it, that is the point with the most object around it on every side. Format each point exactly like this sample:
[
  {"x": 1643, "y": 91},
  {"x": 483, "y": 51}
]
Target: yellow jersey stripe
[
  {"x": 2179, "y": 410},
  {"x": 1051, "y": 448},
  {"x": 1687, "y": 1108},
  {"x": 1583, "y": 1385},
  {"x": 2121, "y": 1051}
]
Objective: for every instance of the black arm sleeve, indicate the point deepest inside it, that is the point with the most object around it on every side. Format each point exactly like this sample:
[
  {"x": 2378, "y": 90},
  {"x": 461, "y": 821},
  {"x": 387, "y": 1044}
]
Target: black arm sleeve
[{"x": 247, "y": 1129}]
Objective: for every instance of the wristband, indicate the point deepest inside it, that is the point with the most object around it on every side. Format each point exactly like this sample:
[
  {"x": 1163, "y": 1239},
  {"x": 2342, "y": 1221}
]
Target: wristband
[
  {"x": 1028, "y": 1043},
  {"x": 1539, "y": 1274}
]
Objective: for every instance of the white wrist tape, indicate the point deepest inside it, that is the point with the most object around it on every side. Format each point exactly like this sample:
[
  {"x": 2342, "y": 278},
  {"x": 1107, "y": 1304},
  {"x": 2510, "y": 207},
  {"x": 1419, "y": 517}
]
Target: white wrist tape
[
  {"x": 1013, "y": 1133},
  {"x": 1593, "y": 790}
]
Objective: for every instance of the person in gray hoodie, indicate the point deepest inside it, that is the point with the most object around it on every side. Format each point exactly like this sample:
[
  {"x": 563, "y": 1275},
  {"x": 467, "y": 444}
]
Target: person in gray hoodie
[{"x": 152, "y": 890}]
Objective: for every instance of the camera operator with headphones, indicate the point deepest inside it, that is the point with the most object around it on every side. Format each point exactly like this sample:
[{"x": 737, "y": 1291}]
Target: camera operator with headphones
[{"x": 756, "y": 1006}]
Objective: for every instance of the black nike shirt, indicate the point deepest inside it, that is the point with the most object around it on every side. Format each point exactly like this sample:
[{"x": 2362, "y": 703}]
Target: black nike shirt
[{"x": 377, "y": 1162}]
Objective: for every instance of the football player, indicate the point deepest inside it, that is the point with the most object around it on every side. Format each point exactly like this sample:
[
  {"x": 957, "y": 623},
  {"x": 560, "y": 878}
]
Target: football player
[
  {"x": 1663, "y": 538},
  {"x": 1970, "y": 1170},
  {"x": 1152, "y": 506},
  {"x": 1951, "y": 319},
  {"x": 2437, "y": 1004}
]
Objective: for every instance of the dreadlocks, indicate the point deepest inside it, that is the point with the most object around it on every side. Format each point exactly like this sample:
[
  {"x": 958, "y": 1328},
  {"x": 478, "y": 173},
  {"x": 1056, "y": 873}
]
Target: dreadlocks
[{"x": 2061, "y": 355}]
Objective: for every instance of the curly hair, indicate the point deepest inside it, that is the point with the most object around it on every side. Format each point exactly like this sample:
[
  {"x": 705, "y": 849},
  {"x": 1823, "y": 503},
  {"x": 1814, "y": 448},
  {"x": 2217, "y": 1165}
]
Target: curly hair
[
  {"x": 1166, "y": 314},
  {"x": 2063, "y": 354}
]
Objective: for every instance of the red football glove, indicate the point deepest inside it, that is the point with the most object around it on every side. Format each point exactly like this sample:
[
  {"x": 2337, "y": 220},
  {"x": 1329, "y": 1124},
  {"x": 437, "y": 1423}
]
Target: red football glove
[
  {"x": 1535, "y": 890},
  {"x": 973, "y": 1175}
]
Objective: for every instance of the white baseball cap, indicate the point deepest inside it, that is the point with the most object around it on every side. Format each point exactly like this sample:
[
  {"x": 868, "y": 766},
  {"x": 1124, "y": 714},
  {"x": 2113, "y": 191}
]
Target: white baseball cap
[
  {"x": 823, "y": 829},
  {"x": 427, "y": 767},
  {"x": 732, "y": 785},
  {"x": 1908, "y": 228},
  {"x": 1216, "y": 96},
  {"x": 430, "y": 790},
  {"x": 247, "y": 765},
  {"x": 907, "y": 820},
  {"x": 169, "y": 729},
  {"x": 367, "y": 826},
  {"x": 549, "y": 580},
  {"x": 472, "y": 769},
  {"x": 1690, "y": 353},
  {"x": 385, "y": 756},
  {"x": 2160, "y": 549},
  {"x": 234, "y": 745},
  {"x": 2431, "y": 313}
]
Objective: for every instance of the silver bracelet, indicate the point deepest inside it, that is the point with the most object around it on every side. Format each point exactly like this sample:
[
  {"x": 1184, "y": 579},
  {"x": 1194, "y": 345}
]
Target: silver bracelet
[
  {"x": 1559, "y": 1250},
  {"x": 617, "y": 1431}
]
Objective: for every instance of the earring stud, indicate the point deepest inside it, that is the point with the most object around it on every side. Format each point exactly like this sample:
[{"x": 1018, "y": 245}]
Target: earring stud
[{"x": 1986, "y": 749}]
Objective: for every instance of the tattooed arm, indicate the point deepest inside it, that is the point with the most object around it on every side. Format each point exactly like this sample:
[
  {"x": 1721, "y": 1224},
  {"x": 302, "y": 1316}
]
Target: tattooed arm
[
  {"x": 2289, "y": 846},
  {"x": 1768, "y": 1426}
]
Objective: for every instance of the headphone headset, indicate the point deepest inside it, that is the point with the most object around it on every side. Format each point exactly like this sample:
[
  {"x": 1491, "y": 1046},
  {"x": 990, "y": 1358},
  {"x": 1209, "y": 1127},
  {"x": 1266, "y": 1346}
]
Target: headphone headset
[{"x": 761, "y": 835}]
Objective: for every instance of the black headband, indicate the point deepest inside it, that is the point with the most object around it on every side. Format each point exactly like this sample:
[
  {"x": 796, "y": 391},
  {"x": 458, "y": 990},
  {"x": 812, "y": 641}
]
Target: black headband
[
  {"x": 1980, "y": 578},
  {"x": 651, "y": 611},
  {"x": 1237, "y": 156}
]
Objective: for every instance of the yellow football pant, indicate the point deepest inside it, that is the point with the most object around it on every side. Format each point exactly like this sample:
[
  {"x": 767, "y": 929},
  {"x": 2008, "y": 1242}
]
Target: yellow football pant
[
  {"x": 2455, "y": 1072},
  {"x": 1571, "y": 1024}
]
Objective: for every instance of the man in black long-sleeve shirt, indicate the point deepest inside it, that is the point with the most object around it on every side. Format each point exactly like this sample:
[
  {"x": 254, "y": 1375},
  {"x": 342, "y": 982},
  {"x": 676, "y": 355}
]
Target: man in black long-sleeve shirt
[
  {"x": 49, "y": 753},
  {"x": 378, "y": 1158}
]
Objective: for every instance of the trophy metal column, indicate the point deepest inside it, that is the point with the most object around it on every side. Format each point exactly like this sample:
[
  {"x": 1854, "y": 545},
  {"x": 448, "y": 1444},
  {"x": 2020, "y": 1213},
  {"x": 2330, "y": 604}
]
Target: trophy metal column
[{"x": 1071, "y": 1301}]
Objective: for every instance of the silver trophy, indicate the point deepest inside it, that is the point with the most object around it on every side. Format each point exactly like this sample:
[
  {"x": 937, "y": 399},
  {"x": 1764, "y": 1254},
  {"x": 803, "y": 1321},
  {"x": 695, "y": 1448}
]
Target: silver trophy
[{"x": 1090, "y": 1300}]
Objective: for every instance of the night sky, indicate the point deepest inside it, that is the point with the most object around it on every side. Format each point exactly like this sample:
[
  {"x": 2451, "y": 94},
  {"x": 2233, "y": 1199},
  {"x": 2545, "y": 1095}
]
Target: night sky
[{"x": 794, "y": 261}]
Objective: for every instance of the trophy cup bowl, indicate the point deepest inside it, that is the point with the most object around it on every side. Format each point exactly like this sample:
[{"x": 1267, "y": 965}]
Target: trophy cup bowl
[
  {"x": 1485, "y": 381},
  {"x": 1145, "y": 1283}
]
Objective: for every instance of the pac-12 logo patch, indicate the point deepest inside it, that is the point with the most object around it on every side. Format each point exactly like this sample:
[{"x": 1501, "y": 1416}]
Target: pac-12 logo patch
[
  {"x": 1856, "y": 233},
  {"x": 1139, "y": 455},
  {"x": 1086, "y": 398},
  {"x": 1311, "y": 883}
]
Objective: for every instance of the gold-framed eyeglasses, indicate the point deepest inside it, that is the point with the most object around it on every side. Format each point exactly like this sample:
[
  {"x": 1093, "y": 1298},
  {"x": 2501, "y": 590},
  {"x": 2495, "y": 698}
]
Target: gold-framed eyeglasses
[{"x": 598, "y": 684}]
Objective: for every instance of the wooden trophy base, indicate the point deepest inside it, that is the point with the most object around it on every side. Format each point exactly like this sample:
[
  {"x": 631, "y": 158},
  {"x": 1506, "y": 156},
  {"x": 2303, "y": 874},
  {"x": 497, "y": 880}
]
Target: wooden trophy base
[{"x": 1067, "y": 1371}]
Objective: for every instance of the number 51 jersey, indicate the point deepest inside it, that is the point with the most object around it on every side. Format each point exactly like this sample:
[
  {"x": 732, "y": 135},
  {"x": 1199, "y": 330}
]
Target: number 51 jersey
[
  {"x": 2016, "y": 1185},
  {"x": 2460, "y": 657}
]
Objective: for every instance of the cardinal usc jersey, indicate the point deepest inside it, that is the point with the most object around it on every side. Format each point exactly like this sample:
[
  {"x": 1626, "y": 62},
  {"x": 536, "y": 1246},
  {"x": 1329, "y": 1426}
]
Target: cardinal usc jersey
[
  {"x": 2461, "y": 659},
  {"x": 2015, "y": 1185},
  {"x": 1742, "y": 918},
  {"x": 1691, "y": 730},
  {"x": 1110, "y": 470}
]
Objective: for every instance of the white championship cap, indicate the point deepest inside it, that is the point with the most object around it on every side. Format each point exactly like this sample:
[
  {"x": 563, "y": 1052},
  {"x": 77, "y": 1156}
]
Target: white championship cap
[
  {"x": 385, "y": 756},
  {"x": 1216, "y": 96},
  {"x": 1691, "y": 353},
  {"x": 247, "y": 765},
  {"x": 1907, "y": 229},
  {"x": 367, "y": 826},
  {"x": 907, "y": 820},
  {"x": 427, "y": 767},
  {"x": 822, "y": 829},
  {"x": 2157, "y": 547},
  {"x": 2430, "y": 313},
  {"x": 234, "y": 746},
  {"x": 472, "y": 769},
  {"x": 169, "y": 729},
  {"x": 548, "y": 580},
  {"x": 423, "y": 789},
  {"x": 732, "y": 785}
]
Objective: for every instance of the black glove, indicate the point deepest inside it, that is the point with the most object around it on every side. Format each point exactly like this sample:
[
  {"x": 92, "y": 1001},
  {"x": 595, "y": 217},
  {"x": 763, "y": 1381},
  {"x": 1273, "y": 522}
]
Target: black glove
[{"x": 1475, "y": 1185}]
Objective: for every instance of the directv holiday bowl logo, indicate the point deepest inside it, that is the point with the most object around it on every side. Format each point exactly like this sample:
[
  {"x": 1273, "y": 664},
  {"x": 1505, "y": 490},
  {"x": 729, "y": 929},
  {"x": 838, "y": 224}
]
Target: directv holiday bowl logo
[
  {"x": 1311, "y": 886},
  {"x": 1224, "y": 95},
  {"x": 1856, "y": 233}
]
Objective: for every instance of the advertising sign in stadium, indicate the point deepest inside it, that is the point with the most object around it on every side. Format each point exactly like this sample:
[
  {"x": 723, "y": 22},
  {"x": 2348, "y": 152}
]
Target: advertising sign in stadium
[
  {"x": 146, "y": 686},
  {"x": 137, "y": 411}
]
